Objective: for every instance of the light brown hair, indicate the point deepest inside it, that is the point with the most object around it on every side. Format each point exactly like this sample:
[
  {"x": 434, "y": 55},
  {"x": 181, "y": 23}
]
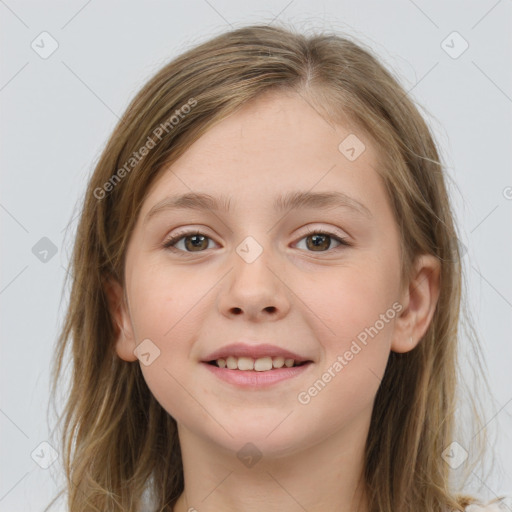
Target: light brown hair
[{"x": 117, "y": 439}]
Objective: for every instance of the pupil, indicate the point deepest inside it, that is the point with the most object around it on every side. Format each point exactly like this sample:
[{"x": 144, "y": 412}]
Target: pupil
[
  {"x": 196, "y": 241},
  {"x": 319, "y": 240}
]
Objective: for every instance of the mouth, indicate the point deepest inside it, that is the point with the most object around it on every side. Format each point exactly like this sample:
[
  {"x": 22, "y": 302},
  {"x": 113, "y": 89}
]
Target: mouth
[
  {"x": 257, "y": 378},
  {"x": 261, "y": 364},
  {"x": 250, "y": 366}
]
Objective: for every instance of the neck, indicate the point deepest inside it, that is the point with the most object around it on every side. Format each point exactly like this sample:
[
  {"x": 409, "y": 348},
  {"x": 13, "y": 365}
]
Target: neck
[{"x": 326, "y": 476}]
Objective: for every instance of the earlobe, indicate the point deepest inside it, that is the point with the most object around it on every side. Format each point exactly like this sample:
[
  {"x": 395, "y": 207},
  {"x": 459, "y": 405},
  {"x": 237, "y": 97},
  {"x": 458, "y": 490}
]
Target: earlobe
[
  {"x": 124, "y": 338},
  {"x": 419, "y": 300}
]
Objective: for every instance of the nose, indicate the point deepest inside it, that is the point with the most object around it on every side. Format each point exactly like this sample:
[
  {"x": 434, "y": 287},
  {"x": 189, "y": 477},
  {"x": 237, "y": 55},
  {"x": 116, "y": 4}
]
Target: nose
[{"x": 255, "y": 291}]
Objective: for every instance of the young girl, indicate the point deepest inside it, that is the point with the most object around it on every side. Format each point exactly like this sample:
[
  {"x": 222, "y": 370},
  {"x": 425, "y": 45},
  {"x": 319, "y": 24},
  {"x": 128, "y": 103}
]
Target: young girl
[{"x": 266, "y": 293}]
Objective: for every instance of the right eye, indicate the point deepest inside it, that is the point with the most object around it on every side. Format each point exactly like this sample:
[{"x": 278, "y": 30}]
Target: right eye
[{"x": 194, "y": 241}]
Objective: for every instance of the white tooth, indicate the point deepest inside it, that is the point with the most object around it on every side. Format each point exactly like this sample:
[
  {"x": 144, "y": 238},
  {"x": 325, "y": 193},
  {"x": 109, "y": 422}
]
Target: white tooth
[
  {"x": 231, "y": 363},
  {"x": 288, "y": 363},
  {"x": 278, "y": 362},
  {"x": 221, "y": 363},
  {"x": 245, "y": 363},
  {"x": 263, "y": 364}
]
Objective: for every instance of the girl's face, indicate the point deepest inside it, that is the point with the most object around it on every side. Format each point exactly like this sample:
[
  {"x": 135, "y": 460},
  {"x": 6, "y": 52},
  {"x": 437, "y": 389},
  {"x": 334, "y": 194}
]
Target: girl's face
[{"x": 269, "y": 270}]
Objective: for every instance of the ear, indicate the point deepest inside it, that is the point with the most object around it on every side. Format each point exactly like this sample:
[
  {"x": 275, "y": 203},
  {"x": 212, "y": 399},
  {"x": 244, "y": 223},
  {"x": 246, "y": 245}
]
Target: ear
[
  {"x": 419, "y": 300},
  {"x": 118, "y": 307}
]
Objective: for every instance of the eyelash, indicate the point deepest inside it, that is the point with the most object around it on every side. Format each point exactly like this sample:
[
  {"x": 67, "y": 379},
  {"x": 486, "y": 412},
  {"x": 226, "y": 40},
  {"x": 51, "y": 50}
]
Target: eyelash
[{"x": 170, "y": 242}]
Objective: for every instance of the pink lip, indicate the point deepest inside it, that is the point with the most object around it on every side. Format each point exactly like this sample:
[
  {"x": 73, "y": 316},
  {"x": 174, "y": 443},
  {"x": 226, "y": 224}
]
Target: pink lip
[
  {"x": 254, "y": 379},
  {"x": 254, "y": 351}
]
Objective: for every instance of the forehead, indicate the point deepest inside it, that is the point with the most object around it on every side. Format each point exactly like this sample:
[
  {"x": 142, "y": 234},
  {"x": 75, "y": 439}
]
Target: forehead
[
  {"x": 278, "y": 142},
  {"x": 277, "y": 123}
]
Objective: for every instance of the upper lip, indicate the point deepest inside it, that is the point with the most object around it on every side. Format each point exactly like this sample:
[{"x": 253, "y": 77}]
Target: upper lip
[{"x": 254, "y": 351}]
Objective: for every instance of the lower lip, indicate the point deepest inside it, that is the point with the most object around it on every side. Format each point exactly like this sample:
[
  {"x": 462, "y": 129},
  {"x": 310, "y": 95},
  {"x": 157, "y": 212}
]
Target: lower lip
[{"x": 254, "y": 379}]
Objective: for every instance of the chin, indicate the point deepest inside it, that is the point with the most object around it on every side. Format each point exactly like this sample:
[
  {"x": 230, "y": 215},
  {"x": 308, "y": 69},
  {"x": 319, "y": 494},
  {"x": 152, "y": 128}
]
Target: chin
[{"x": 269, "y": 438}]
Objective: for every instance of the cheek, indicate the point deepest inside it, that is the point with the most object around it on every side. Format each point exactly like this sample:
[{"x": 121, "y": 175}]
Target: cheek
[
  {"x": 166, "y": 300},
  {"x": 165, "y": 309},
  {"x": 357, "y": 321},
  {"x": 170, "y": 384},
  {"x": 351, "y": 299}
]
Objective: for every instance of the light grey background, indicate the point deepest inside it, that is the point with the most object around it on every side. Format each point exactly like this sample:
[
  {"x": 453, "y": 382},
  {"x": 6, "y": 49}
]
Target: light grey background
[{"x": 56, "y": 115}]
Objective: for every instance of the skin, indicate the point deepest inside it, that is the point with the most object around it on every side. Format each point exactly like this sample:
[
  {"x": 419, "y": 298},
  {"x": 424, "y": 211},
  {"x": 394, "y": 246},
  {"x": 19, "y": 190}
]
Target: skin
[{"x": 312, "y": 301}]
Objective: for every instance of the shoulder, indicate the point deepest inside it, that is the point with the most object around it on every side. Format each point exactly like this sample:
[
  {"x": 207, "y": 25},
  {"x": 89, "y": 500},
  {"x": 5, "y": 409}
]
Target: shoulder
[{"x": 503, "y": 504}]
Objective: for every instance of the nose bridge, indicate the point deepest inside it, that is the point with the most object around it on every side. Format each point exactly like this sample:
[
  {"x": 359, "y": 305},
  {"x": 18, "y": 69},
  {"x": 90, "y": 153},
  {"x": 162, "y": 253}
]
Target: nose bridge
[
  {"x": 254, "y": 288},
  {"x": 250, "y": 250},
  {"x": 251, "y": 266}
]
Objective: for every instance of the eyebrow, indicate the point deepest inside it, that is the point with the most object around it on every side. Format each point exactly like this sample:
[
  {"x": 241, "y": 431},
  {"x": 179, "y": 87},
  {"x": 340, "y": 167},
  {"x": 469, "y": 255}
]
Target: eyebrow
[{"x": 283, "y": 202}]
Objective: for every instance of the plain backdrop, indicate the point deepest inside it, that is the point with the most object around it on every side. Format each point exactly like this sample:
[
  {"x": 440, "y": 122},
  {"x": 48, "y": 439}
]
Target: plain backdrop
[{"x": 68, "y": 71}]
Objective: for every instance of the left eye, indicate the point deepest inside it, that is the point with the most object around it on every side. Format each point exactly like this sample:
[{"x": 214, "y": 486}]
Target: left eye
[
  {"x": 197, "y": 241},
  {"x": 322, "y": 240}
]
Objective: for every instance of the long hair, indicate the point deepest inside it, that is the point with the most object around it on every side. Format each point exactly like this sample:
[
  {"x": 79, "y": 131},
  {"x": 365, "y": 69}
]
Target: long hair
[{"x": 117, "y": 440}]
